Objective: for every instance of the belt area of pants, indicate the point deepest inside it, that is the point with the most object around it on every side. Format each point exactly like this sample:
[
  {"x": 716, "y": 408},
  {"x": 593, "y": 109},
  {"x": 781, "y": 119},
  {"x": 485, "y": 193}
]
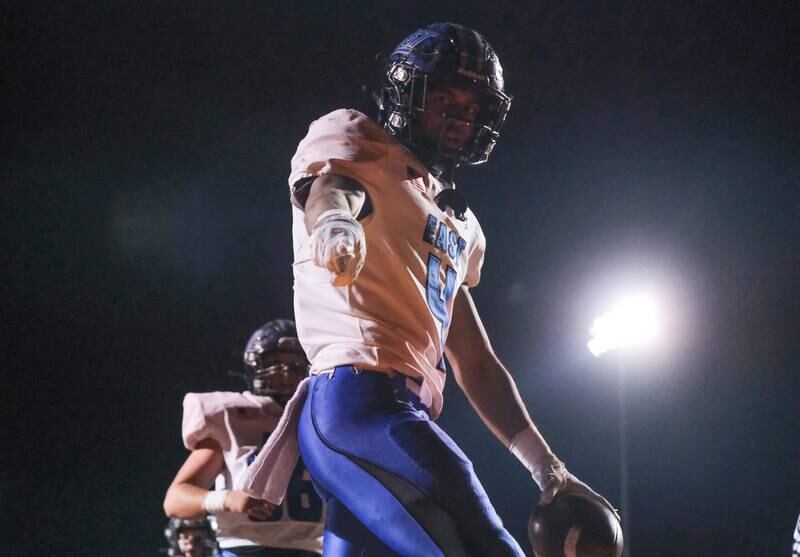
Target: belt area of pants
[{"x": 405, "y": 388}]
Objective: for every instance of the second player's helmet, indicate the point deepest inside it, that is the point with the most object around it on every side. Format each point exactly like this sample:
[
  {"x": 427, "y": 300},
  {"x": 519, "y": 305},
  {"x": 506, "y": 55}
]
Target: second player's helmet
[
  {"x": 274, "y": 360},
  {"x": 191, "y": 537},
  {"x": 444, "y": 54}
]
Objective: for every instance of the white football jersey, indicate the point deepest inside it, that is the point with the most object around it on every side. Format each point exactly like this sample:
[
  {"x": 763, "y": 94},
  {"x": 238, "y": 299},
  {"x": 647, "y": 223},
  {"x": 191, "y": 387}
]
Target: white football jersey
[
  {"x": 241, "y": 423},
  {"x": 396, "y": 314}
]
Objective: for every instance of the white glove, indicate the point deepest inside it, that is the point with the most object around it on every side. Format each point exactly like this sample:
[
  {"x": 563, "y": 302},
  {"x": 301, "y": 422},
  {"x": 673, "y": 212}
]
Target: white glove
[
  {"x": 552, "y": 477},
  {"x": 338, "y": 245}
]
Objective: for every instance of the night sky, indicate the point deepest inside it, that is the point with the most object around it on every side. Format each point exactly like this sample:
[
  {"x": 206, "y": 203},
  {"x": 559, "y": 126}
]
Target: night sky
[{"x": 146, "y": 231}]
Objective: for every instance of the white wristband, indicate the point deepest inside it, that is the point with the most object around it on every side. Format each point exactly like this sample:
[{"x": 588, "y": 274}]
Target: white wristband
[
  {"x": 214, "y": 501},
  {"x": 532, "y": 451},
  {"x": 334, "y": 214}
]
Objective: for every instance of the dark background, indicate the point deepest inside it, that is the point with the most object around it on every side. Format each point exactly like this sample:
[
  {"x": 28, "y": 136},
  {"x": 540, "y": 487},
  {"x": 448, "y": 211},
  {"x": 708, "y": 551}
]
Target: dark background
[{"x": 146, "y": 234}]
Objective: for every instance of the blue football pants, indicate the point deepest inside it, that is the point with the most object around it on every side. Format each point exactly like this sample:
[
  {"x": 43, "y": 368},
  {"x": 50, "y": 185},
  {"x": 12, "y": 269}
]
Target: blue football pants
[{"x": 395, "y": 483}]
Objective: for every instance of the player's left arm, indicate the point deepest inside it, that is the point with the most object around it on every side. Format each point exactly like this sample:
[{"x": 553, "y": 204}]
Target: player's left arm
[
  {"x": 493, "y": 394},
  {"x": 184, "y": 498},
  {"x": 480, "y": 374},
  {"x": 187, "y": 494}
]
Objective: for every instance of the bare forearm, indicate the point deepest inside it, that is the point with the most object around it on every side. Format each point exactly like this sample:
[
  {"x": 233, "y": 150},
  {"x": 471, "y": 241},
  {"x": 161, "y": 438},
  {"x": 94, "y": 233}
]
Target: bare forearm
[
  {"x": 488, "y": 386},
  {"x": 493, "y": 394},
  {"x": 185, "y": 501}
]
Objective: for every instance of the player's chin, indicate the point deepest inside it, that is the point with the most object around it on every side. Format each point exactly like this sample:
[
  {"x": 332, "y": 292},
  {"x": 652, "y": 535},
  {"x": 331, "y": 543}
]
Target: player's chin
[
  {"x": 454, "y": 144},
  {"x": 451, "y": 149}
]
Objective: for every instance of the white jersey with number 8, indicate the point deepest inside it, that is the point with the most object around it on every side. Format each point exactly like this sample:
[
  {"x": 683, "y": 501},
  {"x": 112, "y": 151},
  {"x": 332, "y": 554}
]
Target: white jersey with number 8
[{"x": 240, "y": 423}]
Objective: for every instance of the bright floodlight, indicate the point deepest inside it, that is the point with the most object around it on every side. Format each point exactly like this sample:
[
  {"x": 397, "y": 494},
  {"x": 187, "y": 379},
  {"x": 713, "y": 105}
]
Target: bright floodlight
[{"x": 633, "y": 323}]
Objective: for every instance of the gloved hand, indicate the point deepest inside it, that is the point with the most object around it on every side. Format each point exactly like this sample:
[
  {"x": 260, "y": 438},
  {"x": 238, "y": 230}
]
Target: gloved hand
[
  {"x": 338, "y": 245},
  {"x": 552, "y": 477}
]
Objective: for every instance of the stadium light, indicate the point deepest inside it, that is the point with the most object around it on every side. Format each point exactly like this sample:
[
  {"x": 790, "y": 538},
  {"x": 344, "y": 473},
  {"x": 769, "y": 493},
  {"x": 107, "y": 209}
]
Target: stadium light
[{"x": 632, "y": 323}]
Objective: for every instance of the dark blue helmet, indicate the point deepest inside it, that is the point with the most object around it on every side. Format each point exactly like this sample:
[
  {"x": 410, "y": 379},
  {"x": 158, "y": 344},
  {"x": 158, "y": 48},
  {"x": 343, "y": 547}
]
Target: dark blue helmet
[
  {"x": 192, "y": 536},
  {"x": 267, "y": 370},
  {"x": 444, "y": 54}
]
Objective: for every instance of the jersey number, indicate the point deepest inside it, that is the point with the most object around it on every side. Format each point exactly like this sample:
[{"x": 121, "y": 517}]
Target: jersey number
[
  {"x": 437, "y": 299},
  {"x": 302, "y": 502}
]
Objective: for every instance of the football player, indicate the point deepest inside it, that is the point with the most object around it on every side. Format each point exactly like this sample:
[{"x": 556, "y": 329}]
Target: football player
[
  {"x": 224, "y": 430},
  {"x": 191, "y": 538},
  {"x": 385, "y": 253}
]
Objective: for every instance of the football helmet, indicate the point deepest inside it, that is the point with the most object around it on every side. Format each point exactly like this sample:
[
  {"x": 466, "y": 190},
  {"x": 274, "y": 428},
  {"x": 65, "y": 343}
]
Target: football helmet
[
  {"x": 191, "y": 538},
  {"x": 451, "y": 55},
  {"x": 274, "y": 361}
]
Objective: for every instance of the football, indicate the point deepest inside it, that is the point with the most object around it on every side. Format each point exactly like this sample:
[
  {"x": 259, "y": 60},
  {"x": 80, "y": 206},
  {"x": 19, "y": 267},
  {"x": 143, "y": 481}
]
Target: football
[{"x": 574, "y": 525}]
